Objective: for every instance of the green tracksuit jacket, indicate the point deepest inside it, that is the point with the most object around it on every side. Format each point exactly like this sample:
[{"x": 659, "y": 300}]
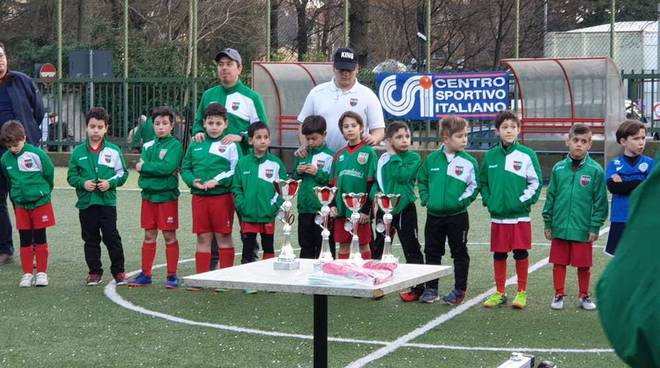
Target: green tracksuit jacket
[
  {"x": 576, "y": 201},
  {"x": 448, "y": 186},
  {"x": 254, "y": 193},
  {"x": 105, "y": 164},
  {"x": 629, "y": 289},
  {"x": 396, "y": 174},
  {"x": 320, "y": 157},
  {"x": 144, "y": 133},
  {"x": 210, "y": 159},
  {"x": 510, "y": 180},
  {"x": 244, "y": 107},
  {"x": 30, "y": 175},
  {"x": 159, "y": 178}
]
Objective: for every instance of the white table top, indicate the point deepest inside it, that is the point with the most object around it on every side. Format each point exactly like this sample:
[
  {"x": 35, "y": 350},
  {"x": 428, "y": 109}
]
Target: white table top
[{"x": 261, "y": 276}]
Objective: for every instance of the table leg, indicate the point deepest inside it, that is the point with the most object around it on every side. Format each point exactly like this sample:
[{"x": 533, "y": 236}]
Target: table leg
[{"x": 320, "y": 331}]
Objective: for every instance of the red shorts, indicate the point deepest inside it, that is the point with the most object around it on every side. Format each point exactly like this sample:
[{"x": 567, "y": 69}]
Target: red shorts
[
  {"x": 566, "y": 252},
  {"x": 506, "y": 237},
  {"x": 37, "y": 218},
  {"x": 267, "y": 228},
  {"x": 213, "y": 214},
  {"x": 343, "y": 236},
  {"x": 161, "y": 216}
]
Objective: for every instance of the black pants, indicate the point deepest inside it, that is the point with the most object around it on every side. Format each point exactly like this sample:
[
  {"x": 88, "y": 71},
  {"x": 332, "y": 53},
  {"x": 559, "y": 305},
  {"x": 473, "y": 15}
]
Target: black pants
[
  {"x": 94, "y": 221},
  {"x": 6, "y": 242},
  {"x": 309, "y": 236},
  {"x": 405, "y": 224},
  {"x": 616, "y": 231},
  {"x": 453, "y": 228},
  {"x": 251, "y": 247}
]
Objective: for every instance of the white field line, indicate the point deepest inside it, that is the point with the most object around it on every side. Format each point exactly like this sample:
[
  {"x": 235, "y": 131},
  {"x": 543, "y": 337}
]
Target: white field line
[
  {"x": 111, "y": 292},
  {"x": 405, "y": 339}
]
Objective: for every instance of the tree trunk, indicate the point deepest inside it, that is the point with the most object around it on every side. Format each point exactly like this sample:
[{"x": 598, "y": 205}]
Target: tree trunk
[
  {"x": 301, "y": 38},
  {"x": 359, "y": 27}
]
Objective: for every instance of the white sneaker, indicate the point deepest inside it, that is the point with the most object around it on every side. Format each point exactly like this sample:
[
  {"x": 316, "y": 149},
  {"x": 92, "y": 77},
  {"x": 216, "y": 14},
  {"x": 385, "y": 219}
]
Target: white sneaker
[
  {"x": 41, "y": 279},
  {"x": 587, "y": 304},
  {"x": 557, "y": 302},
  {"x": 26, "y": 280}
]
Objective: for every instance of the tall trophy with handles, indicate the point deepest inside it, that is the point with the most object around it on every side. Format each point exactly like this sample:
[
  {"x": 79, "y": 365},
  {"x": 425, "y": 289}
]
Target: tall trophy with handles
[
  {"x": 287, "y": 259},
  {"x": 325, "y": 195},
  {"x": 354, "y": 202},
  {"x": 387, "y": 203}
]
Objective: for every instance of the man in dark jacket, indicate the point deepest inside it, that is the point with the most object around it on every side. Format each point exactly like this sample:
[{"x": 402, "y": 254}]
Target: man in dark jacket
[{"x": 19, "y": 100}]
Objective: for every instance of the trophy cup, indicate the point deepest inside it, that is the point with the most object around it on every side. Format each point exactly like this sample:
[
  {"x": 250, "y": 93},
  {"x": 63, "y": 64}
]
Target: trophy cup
[
  {"x": 325, "y": 196},
  {"x": 354, "y": 202},
  {"x": 387, "y": 203},
  {"x": 287, "y": 259}
]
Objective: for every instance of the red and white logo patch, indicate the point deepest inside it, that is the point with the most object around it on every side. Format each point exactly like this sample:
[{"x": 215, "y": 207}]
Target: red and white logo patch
[
  {"x": 320, "y": 164},
  {"x": 458, "y": 170},
  {"x": 44, "y": 218},
  {"x": 353, "y": 101},
  {"x": 222, "y": 148},
  {"x": 170, "y": 219},
  {"x": 362, "y": 158},
  {"x": 585, "y": 180},
  {"x": 162, "y": 153},
  {"x": 269, "y": 173},
  {"x": 517, "y": 165},
  {"x": 235, "y": 105},
  {"x": 28, "y": 163},
  {"x": 107, "y": 158}
]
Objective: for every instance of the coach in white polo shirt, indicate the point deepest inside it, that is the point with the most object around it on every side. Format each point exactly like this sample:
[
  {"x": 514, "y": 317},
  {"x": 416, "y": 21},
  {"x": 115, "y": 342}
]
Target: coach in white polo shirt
[{"x": 341, "y": 94}]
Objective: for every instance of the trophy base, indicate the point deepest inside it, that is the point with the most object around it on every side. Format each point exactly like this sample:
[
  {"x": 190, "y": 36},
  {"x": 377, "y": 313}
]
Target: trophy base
[
  {"x": 389, "y": 259},
  {"x": 286, "y": 265}
]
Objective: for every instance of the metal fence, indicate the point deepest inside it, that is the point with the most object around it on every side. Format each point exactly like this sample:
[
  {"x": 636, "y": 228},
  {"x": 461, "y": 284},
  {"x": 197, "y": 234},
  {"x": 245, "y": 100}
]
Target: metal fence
[{"x": 643, "y": 99}]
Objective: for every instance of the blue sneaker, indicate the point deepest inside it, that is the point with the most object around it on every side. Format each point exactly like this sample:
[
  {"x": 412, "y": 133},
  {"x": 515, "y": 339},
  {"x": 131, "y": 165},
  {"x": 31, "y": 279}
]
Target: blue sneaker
[
  {"x": 140, "y": 280},
  {"x": 172, "y": 282},
  {"x": 429, "y": 296},
  {"x": 454, "y": 297}
]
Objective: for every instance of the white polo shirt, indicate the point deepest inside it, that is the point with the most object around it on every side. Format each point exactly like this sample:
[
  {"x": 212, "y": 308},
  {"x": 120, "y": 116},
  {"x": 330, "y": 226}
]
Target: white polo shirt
[{"x": 330, "y": 101}]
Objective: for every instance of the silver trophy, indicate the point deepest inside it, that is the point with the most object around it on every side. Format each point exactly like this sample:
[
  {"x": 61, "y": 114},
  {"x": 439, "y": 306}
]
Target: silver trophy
[
  {"x": 387, "y": 203},
  {"x": 325, "y": 195},
  {"x": 287, "y": 259},
  {"x": 354, "y": 202}
]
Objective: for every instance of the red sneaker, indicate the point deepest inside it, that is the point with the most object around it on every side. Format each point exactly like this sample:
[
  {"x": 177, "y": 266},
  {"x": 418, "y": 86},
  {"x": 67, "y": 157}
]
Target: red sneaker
[{"x": 411, "y": 295}]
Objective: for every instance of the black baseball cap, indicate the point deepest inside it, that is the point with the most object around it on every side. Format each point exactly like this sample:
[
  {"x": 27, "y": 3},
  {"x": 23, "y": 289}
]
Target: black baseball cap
[
  {"x": 345, "y": 59},
  {"x": 230, "y": 53}
]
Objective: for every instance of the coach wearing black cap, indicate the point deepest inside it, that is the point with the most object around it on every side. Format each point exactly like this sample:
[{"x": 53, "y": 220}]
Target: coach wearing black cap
[
  {"x": 341, "y": 94},
  {"x": 244, "y": 106}
]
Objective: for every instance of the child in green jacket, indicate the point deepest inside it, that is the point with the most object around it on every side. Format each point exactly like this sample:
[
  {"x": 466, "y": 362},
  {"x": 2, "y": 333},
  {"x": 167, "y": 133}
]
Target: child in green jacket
[
  {"x": 575, "y": 209},
  {"x": 257, "y": 202},
  {"x": 159, "y": 179},
  {"x": 29, "y": 172},
  {"x": 96, "y": 169},
  {"x": 396, "y": 173},
  {"x": 447, "y": 186},
  {"x": 208, "y": 169},
  {"x": 510, "y": 180}
]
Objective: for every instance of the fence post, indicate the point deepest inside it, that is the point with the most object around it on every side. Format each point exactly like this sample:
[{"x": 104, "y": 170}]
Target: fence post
[
  {"x": 125, "y": 79},
  {"x": 194, "y": 58},
  {"x": 516, "y": 46},
  {"x": 612, "y": 26},
  {"x": 58, "y": 103},
  {"x": 268, "y": 30},
  {"x": 347, "y": 25}
]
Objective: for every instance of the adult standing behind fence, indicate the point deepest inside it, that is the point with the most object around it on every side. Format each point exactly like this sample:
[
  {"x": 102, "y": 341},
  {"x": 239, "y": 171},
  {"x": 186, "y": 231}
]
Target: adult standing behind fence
[
  {"x": 244, "y": 106},
  {"x": 19, "y": 100},
  {"x": 343, "y": 93}
]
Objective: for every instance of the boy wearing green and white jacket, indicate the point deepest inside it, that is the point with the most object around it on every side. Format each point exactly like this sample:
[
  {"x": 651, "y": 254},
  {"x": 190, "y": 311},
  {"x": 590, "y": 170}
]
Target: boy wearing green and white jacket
[
  {"x": 29, "y": 172},
  {"x": 208, "y": 169},
  {"x": 313, "y": 170},
  {"x": 257, "y": 201},
  {"x": 510, "y": 180},
  {"x": 575, "y": 209},
  {"x": 159, "y": 180},
  {"x": 447, "y": 186},
  {"x": 96, "y": 169}
]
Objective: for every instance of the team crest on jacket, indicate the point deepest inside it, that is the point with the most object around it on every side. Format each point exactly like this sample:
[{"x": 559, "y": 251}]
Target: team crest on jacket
[
  {"x": 107, "y": 158},
  {"x": 222, "y": 148},
  {"x": 28, "y": 163},
  {"x": 517, "y": 165},
  {"x": 584, "y": 180},
  {"x": 162, "y": 153},
  {"x": 353, "y": 101},
  {"x": 458, "y": 170},
  {"x": 643, "y": 167},
  {"x": 320, "y": 164},
  {"x": 235, "y": 105},
  {"x": 362, "y": 158},
  {"x": 269, "y": 173}
]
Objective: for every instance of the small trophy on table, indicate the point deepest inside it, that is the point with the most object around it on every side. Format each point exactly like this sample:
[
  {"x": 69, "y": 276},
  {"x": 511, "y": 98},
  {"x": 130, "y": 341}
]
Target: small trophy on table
[
  {"x": 287, "y": 259},
  {"x": 325, "y": 195},
  {"x": 354, "y": 202},
  {"x": 387, "y": 203}
]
